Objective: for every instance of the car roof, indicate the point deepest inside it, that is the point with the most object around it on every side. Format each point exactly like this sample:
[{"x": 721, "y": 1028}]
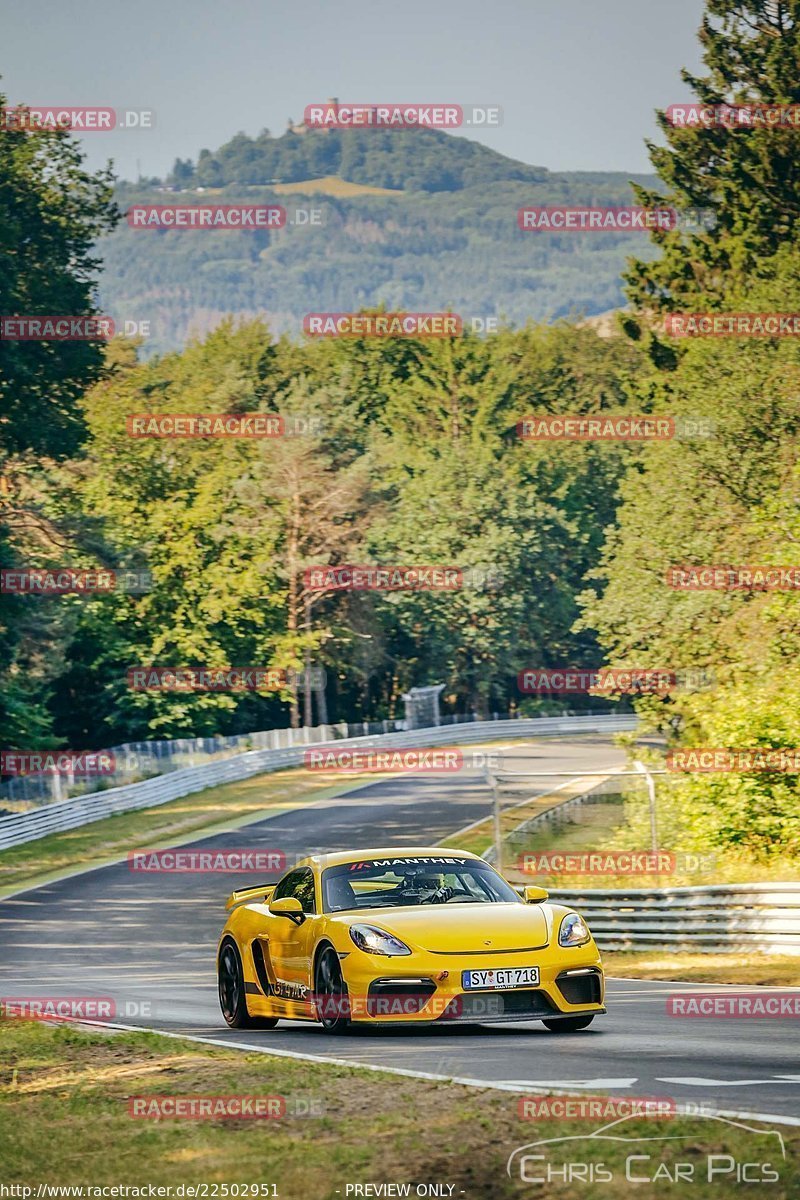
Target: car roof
[{"x": 338, "y": 857}]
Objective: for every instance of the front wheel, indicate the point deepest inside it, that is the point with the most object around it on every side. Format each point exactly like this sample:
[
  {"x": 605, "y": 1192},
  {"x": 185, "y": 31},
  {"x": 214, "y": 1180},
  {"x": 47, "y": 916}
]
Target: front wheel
[
  {"x": 232, "y": 999},
  {"x": 331, "y": 992},
  {"x": 568, "y": 1024}
]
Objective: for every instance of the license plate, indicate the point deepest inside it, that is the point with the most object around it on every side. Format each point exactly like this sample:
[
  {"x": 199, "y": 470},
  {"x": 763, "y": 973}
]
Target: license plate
[{"x": 506, "y": 977}]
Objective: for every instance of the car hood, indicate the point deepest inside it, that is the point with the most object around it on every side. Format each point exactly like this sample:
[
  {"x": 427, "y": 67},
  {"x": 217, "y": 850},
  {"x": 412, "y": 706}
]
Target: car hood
[{"x": 463, "y": 928}]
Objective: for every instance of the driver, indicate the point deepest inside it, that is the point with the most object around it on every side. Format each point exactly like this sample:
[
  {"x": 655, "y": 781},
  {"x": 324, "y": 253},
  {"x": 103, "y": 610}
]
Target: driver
[{"x": 427, "y": 884}]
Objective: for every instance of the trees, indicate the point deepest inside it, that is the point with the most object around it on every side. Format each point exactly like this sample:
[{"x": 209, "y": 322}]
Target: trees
[
  {"x": 214, "y": 600},
  {"x": 727, "y": 498},
  {"x": 182, "y": 173},
  {"x": 51, "y": 213},
  {"x": 385, "y": 158},
  {"x": 748, "y": 177},
  {"x": 410, "y": 457},
  {"x": 314, "y": 501}
]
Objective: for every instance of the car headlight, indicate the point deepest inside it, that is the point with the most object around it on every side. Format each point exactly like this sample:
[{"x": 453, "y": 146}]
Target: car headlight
[
  {"x": 377, "y": 941},
  {"x": 574, "y": 931}
]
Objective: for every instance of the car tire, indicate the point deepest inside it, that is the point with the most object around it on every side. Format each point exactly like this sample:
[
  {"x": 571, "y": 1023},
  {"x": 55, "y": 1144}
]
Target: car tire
[
  {"x": 331, "y": 992},
  {"x": 231, "y": 988},
  {"x": 568, "y": 1024}
]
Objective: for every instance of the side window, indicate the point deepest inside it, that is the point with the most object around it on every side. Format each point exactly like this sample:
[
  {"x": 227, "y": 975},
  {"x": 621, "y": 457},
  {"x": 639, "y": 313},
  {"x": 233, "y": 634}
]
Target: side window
[
  {"x": 285, "y": 886},
  {"x": 300, "y": 884},
  {"x": 303, "y": 889}
]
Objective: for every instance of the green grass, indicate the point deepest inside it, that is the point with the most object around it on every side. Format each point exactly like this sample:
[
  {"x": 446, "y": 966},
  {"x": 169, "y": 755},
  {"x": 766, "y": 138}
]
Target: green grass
[
  {"x": 583, "y": 831},
  {"x": 64, "y": 1119},
  {"x": 603, "y": 827},
  {"x": 777, "y": 970},
  {"x": 477, "y": 838}
]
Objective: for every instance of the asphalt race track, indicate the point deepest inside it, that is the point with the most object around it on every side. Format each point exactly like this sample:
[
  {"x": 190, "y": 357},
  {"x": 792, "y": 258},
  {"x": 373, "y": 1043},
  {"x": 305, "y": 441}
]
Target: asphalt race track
[{"x": 148, "y": 941}]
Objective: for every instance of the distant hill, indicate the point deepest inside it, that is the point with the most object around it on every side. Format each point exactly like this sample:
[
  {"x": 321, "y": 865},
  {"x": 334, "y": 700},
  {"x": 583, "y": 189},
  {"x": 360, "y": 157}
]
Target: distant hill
[
  {"x": 415, "y": 160},
  {"x": 418, "y": 220}
]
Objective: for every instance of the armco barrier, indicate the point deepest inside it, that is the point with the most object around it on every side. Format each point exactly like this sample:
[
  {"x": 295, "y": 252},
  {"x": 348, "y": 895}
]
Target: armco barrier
[
  {"x": 81, "y": 810},
  {"x": 724, "y": 918}
]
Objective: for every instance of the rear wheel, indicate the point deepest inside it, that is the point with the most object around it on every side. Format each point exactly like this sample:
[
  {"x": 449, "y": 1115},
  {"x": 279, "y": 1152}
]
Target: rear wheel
[
  {"x": 568, "y": 1024},
  {"x": 232, "y": 999},
  {"x": 331, "y": 992}
]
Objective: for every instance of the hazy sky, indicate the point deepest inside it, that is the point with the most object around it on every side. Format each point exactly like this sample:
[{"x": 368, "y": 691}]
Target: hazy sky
[{"x": 578, "y": 80}]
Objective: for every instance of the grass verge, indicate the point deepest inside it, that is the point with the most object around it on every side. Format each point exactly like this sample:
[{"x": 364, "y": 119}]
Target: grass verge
[
  {"x": 775, "y": 970},
  {"x": 602, "y": 827},
  {"x": 372, "y": 1127},
  {"x": 201, "y": 813}
]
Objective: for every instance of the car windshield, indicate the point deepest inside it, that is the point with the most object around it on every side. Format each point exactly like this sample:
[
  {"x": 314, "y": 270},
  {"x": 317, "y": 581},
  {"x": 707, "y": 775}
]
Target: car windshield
[{"x": 400, "y": 882}]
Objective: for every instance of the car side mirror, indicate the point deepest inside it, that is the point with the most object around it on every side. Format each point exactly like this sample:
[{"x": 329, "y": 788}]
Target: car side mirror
[
  {"x": 288, "y": 906},
  {"x": 534, "y": 894}
]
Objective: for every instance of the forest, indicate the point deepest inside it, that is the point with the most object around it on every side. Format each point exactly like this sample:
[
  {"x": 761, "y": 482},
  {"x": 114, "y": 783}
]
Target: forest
[{"x": 406, "y": 451}]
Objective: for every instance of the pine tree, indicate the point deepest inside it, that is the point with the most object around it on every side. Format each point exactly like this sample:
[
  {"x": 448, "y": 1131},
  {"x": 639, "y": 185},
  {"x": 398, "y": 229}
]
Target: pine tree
[{"x": 749, "y": 178}]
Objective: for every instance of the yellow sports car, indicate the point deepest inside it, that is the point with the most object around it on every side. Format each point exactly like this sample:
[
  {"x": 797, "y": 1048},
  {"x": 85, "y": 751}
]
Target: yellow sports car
[{"x": 404, "y": 935}]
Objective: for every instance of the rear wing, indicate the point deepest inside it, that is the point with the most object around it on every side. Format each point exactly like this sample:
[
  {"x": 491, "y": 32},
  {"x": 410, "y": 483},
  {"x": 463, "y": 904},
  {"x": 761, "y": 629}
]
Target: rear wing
[{"x": 252, "y": 893}]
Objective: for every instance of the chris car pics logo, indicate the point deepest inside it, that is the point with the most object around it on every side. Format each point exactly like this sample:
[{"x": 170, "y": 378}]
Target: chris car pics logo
[{"x": 619, "y": 1153}]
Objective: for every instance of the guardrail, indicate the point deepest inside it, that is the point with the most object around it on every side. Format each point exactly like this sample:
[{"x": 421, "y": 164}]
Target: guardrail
[
  {"x": 81, "y": 810},
  {"x": 762, "y": 917},
  {"x": 134, "y": 762}
]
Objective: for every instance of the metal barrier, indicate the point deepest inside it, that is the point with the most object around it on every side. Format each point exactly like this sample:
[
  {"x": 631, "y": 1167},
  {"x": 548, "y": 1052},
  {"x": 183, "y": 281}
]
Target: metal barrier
[
  {"x": 517, "y": 783},
  {"x": 134, "y": 762},
  {"x": 724, "y": 918},
  {"x": 81, "y": 810}
]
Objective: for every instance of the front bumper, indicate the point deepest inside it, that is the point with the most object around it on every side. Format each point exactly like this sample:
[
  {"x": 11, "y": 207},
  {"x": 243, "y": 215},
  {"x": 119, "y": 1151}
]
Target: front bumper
[{"x": 571, "y": 983}]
